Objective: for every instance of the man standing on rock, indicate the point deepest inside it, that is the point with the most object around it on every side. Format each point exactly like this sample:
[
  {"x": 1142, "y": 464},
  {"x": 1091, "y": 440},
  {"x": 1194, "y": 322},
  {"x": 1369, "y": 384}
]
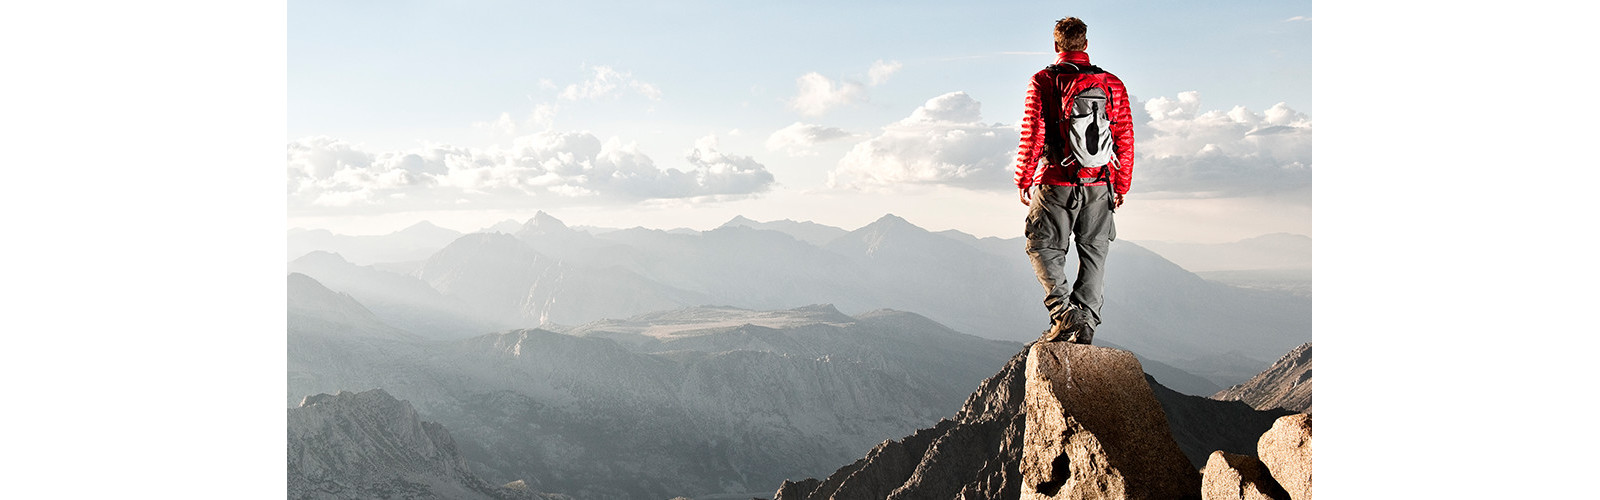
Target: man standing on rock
[{"x": 1074, "y": 165}]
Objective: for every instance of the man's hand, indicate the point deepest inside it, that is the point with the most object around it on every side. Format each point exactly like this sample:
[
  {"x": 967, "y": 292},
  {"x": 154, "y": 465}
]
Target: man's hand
[
  {"x": 1119, "y": 201},
  {"x": 1026, "y": 195}
]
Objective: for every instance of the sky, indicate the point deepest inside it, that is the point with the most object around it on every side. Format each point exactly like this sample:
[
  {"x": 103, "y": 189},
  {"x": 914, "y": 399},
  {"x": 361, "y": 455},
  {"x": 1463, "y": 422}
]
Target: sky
[
  {"x": 144, "y": 185},
  {"x": 685, "y": 114}
]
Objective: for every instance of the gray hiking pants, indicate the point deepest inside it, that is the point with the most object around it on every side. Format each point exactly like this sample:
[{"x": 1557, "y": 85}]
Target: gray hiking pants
[{"x": 1080, "y": 215}]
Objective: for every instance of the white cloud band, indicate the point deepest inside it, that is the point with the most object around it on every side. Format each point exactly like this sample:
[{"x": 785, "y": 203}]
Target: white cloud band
[{"x": 548, "y": 168}]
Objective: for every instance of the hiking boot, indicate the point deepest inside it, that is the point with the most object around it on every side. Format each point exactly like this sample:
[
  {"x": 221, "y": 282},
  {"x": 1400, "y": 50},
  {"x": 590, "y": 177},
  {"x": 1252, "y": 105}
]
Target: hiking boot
[
  {"x": 1082, "y": 335},
  {"x": 1057, "y": 332},
  {"x": 1078, "y": 327}
]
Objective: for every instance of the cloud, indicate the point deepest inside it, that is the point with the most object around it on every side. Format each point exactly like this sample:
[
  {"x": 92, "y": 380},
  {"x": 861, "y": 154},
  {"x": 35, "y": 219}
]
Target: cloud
[
  {"x": 880, "y": 71},
  {"x": 542, "y": 118},
  {"x": 504, "y": 125},
  {"x": 546, "y": 168},
  {"x": 1298, "y": 18},
  {"x": 608, "y": 83},
  {"x": 797, "y": 139},
  {"x": 943, "y": 141},
  {"x": 1183, "y": 151},
  {"x": 817, "y": 94}
]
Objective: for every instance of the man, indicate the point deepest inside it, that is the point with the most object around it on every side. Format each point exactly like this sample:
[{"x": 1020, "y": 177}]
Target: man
[{"x": 1068, "y": 197}]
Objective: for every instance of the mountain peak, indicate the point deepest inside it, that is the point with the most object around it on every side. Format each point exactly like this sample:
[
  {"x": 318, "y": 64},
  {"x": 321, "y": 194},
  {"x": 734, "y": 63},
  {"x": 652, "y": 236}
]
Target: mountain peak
[
  {"x": 321, "y": 257},
  {"x": 889, "y": 218},
  {"x": 738, "y": 220},
  {"x": 428, "y": 229},
  {"x": 543, "y": 223},
  {"x": 891, "y": 222}
]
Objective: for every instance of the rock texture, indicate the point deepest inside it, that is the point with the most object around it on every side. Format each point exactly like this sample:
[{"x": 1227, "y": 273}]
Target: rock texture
[
  {"x": 1096, "y": 431},
  {"x": 1286, "y": 450},
  {"x": 1228, "y": 476},
  {"x": 1286, "y": 384},
  {"x": 988, "y": 429},
  {"x": 371, "y": 445}
]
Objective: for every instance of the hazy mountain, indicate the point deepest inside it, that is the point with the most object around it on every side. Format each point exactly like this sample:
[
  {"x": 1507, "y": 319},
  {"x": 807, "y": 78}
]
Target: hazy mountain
[
  {"x": 371, "y": 445},
  {"x": 821, "y": 330},
  {"x": 550, "y": 273},
  {"x": 807, "y": 231},
  {"x": 1225, "y": 369},
  {"x": 508, "y": 226},
  {"x": 314, "y": 308},
  {"x": 1171, "y": 376},
  {"x": 399, "y": 300},
  {"x": 744, "y": 267},
  {"x": 551, "y": 237},
  {"x": 1151, "y": 301},
  {"x": 1269, "y": 251},
  {"x": 1293, "y": 281},
  {"x": 954, "y": 283},
  {"x": 412, "y": 243},
  {"x": 908, "y": 346},
  {"x": 505, "y": 280},
  {"x": 1161, "y": 311},
  {"x": 692, "y": 402},
  {"x": 1009, "y": 248},
  {"x": 1286, "y": 384}
]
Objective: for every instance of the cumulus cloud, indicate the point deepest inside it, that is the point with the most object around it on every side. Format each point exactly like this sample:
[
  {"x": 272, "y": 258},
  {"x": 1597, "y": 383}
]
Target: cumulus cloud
[
  {"x": 503, "y": 125},
  {"x": 1183, "y": 151},
  {"x": 817, "y": 94},
  {"x": 609, "y": 83},
  {"x": 542, "y": 118},
  {"x": 548, "y": 168},
  {"x": 943, "y": 141},
  {"x": 799, "y": 138},
  {"x": 880, "y": 71}
]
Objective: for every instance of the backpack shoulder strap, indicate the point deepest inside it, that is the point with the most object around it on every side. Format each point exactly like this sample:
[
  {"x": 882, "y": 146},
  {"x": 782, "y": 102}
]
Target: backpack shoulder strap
[{"x": 1085, "y": 69}]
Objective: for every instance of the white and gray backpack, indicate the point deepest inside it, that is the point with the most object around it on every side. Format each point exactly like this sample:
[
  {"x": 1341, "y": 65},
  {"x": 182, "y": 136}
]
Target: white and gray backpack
[{"x": 1086, "y": 123}]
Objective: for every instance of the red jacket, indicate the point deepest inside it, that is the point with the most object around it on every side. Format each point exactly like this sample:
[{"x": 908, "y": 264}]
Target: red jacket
[{"x": 1028, "y": 172}]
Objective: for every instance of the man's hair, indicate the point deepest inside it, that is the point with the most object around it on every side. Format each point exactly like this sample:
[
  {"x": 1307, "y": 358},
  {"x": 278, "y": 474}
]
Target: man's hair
[{"x": 1071, "y": 35}]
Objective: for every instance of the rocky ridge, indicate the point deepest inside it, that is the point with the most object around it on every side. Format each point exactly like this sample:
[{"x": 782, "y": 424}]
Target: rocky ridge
[
  {"x": 978, "y": 454},
  {"x": 371, "y": 445},
  {"x": 1286, "y": 384}
]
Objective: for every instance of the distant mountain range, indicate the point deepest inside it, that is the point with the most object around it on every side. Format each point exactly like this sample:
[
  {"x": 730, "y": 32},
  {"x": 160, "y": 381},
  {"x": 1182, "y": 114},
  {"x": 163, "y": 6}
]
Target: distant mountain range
[
  {"x": 398, "y": 300},
  {"x": 412, "y": 243},
  {"x": 1276, "y": 251},
  {"x": 695, "y": 402},
  {"x": 547, "y": 274}
]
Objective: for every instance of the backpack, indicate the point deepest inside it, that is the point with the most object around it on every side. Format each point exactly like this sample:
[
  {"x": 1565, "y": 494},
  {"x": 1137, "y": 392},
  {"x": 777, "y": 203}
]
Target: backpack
[{"x": 1083, "y": 123}]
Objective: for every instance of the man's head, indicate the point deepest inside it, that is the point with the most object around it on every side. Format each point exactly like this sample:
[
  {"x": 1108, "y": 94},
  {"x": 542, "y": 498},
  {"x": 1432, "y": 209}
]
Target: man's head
[{"x": 1071, "y": 35}]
